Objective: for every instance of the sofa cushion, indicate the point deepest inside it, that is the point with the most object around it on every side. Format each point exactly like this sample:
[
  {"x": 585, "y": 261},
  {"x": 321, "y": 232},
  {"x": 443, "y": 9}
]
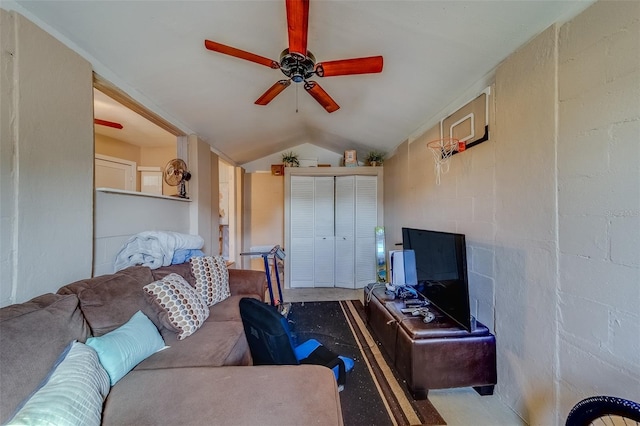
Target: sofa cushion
[
  {"x": 262, "y": 395},
  {"x": 228, "y": 309},
  {"x": 216, "y": 344},
  {"x": 184, "y": 309},
  {"x": 72, "y": 394},
  {"x": 123, "y": 348},
  {"x": 212, "y": 278},
  {"x": 108, "y": 301},
  {"x": 247, "y": 282},
  {"x": 32, "y": 336},
  {"x": 182, "y": 269}
]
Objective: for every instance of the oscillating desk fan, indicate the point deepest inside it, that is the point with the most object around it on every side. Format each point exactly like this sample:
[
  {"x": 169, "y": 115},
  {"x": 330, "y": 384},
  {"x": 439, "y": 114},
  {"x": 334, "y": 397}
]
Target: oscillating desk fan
[{"x": 176, "y": 174}]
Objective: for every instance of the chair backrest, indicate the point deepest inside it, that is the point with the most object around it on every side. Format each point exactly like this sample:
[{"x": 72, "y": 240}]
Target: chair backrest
[{"x": 267, "y": 333}]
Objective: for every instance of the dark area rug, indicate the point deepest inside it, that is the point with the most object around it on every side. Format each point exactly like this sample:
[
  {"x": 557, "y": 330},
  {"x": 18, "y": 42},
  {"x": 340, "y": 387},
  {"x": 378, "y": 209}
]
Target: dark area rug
[{"x": 373, "y": 395}]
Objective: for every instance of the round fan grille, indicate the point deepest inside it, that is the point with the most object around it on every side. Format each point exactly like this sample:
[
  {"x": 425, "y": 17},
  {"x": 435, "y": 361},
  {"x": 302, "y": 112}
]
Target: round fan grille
[
  {"x": 174, "y": 171},
  {"x": 176, "y": 174}
]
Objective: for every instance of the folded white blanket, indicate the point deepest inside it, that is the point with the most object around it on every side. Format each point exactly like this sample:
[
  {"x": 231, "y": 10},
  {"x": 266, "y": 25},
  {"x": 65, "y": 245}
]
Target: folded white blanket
[{"x": 154, "y": 248}]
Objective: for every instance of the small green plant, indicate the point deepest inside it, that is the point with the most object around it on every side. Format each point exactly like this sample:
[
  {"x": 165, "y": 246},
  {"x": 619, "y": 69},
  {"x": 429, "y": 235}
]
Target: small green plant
[
  {"x": 290, "y": 159},
  {"x": 375, "y": 158}
]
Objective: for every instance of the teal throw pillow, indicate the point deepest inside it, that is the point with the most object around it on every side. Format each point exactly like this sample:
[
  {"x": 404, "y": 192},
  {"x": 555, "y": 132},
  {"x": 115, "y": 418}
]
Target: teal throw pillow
[{"x": 125, "y": 347}]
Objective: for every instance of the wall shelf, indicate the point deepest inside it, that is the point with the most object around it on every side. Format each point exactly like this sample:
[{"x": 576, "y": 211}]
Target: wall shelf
[{"x": 141, "y": 194}]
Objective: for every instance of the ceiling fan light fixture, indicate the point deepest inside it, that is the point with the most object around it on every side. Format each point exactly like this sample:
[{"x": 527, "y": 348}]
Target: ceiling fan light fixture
[{"x": 297, "y": 68}]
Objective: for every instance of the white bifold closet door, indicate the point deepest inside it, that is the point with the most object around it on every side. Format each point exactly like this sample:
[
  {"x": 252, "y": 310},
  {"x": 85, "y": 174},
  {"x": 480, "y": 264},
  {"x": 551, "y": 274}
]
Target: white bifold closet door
[
  {"x": 366, "y": 212},
  {"x": 332, "y": 231},
  {"x": 324, "y": 251},
  {"x": 345, "y": 208},
  {"x": 300, "y": 254}
]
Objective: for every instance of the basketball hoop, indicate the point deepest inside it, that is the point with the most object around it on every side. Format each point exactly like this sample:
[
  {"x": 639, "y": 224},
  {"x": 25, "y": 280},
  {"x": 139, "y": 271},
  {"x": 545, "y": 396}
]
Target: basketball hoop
[{"x": 442, "y": 150}]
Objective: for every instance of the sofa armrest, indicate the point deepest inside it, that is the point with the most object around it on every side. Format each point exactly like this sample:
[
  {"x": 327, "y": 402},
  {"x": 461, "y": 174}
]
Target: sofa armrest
[{"x": 246, "y": 281}]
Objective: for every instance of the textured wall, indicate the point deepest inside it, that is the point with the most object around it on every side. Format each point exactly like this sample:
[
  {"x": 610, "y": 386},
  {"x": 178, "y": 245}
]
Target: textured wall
[
  {"x": 265, "y": 206},
  {"x": 204, "y": 218},
  {"x": 7, "y": 159},
  {"x": 51, "y": 168},
  {"x": 120, "y": 216},
  {"x": 526, "y": 234},
  {"x": 550, "y": 206},
  {"x": 463, "y": 202},
  {"x": 599, "y": 203}
]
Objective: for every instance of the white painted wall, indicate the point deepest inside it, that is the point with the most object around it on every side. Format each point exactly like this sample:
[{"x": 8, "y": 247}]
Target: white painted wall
[
  {"x": 8, "y": 182},
  {"x": 120, "y": 216},
  {"x": 599, "y": 203},
  {"x": 550, "y": 206},
  {"x": 526, "y": 242},
  {"x": 202, "y": 215},
  {"x": 47, "y": 163}
]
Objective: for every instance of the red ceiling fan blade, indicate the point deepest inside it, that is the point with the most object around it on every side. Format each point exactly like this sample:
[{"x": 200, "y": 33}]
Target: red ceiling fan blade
[
  {"x": 242, "y": 54},
  {"x": 272, "y": 92},
  {"x": 369, "y": 65},
  {"x": 321, "y": 96},
  {"x": 298, "y": 24},
  {"x": 107, "y": 123}
]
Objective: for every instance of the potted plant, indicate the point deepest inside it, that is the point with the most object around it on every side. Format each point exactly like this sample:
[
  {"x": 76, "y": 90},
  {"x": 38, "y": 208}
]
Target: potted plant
[
  {"x": 375, "y": 158},
  {"x": 290, "y": 159}
]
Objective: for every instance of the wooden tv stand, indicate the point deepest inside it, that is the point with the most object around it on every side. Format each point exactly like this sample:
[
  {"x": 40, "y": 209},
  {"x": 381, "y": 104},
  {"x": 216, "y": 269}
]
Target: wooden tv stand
[{"x": 435, "y": 355}]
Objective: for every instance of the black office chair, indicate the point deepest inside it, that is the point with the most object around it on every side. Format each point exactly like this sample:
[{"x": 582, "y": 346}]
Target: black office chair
[{"x": 270, "y": 341}]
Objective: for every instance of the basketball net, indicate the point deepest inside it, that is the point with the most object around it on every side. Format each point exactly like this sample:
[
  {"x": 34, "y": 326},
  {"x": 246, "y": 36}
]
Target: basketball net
[{"x": 442, "y": 150}]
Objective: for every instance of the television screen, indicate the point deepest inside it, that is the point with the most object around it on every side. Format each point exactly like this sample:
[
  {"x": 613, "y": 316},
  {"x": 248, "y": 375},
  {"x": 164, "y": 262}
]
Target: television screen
[{"x": 441, "y": 266}]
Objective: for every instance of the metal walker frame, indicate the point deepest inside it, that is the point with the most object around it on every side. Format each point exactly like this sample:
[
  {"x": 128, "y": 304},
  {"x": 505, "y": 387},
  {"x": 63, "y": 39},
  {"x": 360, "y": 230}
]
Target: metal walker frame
[{"x": 274, "y": 254}]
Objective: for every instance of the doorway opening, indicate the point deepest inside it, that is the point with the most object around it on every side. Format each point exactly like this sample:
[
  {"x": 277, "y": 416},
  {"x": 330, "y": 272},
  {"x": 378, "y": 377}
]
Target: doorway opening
[{"x": 127, "y": 134}]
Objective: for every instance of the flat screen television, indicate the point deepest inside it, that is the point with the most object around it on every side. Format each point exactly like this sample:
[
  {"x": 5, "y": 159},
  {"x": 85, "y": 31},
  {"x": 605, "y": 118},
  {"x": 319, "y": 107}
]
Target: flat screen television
[{"x": 441, "y": 266}]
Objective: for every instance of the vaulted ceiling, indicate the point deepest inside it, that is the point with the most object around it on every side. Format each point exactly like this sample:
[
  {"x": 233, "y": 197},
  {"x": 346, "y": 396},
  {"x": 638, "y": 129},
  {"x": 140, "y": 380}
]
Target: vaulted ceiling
[{"x": 434, "y": 52}]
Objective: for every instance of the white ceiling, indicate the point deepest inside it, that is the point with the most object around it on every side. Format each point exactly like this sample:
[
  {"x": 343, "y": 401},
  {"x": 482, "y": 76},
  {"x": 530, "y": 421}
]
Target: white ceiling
[
  {"x": 136, "y": 129},
  {"x": 434, "y": 52}
]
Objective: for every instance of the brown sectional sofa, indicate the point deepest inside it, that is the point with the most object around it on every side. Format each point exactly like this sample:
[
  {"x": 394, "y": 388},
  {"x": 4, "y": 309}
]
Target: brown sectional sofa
[{"x": 206, "y": 378}]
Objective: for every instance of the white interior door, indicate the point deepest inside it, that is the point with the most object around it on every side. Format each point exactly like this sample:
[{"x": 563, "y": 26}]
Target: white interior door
[
  {"x": 345, "y": 231},
  {"x": 116, "y": 173},
  {"x": 324, "y": 232},
  {"x": 366, "y": 213},
  {"x": 300, "y": 253}
]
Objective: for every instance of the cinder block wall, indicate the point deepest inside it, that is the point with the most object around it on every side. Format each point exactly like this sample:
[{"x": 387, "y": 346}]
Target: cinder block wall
[
  {"x": 551, "y": 209},
  {"x": 599, "y": 203}
]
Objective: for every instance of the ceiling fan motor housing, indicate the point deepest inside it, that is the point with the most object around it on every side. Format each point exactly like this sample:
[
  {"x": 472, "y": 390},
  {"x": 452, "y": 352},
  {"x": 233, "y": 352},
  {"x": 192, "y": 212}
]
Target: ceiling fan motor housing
[{"x": 297, "y": 67}]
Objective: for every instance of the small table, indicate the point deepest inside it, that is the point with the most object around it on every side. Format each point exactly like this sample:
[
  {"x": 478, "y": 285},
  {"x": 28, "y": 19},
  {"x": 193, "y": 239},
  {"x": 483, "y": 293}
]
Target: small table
[{"x": 435, "y": 355}]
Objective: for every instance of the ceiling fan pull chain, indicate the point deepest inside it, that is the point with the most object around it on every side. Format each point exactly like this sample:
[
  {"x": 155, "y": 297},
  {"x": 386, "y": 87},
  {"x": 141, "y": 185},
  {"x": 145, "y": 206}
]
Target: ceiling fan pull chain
[{"x": 296, "y": 98}]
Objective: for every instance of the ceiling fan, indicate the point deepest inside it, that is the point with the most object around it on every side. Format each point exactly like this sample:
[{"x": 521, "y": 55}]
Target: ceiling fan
[{"x": 298, "y": 64}]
